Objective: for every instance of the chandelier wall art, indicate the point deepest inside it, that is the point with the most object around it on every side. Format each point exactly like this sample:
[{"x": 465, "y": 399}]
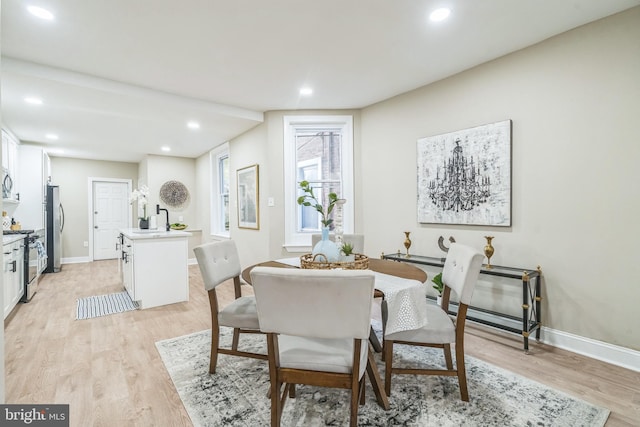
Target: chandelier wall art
[{"x": 464, "y": 177}]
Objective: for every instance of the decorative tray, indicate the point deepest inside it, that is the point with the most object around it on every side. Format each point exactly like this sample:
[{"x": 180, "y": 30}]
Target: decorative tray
[{"x": 310, "y": 261}]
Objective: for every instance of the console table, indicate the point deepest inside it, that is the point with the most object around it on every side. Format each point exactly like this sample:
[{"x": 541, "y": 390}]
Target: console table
[{"x": 531, "y": 297}]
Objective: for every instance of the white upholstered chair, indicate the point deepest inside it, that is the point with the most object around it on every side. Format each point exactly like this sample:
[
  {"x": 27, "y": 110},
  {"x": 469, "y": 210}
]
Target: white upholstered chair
[
  {"x": 219, "y": 262},
  {"x": 460, "y": 274},
  {"x": 357, "y": 240},
  {"x": 317, "y": 326}
]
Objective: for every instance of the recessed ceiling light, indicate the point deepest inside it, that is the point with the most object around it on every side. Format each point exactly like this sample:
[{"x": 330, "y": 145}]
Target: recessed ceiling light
[
  {"x": 440, "y": 14},
  {"x": 33, "y": 100},
  {"x": 165, "y": 149},
  {"x": 306, "y": 91},
  {"x": 193, "y": 125},
  {"x": 40, "y": 13},
  {"x": 52, "y": 136}
]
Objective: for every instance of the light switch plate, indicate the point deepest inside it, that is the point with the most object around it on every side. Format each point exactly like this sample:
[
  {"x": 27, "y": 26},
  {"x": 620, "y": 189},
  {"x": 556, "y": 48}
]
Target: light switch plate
[{"x": 271, "y": 201}]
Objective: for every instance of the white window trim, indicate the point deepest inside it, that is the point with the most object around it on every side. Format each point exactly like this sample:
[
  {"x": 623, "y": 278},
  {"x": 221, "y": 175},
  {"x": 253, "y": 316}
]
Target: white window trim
[
  {"x": 301, "y": 242},
  {"x": 216, "y": 209}
]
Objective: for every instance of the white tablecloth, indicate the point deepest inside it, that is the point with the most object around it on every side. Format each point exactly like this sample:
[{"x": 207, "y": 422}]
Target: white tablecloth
[
  {"x": 406, "y": 299},
  {"x": 406, "y": 302}
]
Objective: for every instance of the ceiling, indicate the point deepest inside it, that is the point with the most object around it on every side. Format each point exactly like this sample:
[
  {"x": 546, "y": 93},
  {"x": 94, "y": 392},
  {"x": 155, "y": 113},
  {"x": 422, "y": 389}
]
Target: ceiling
[{"x": 121, "y": 78}]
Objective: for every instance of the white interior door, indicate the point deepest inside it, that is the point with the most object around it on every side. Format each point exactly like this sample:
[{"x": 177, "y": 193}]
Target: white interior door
[{"x": 110, "y": 214}]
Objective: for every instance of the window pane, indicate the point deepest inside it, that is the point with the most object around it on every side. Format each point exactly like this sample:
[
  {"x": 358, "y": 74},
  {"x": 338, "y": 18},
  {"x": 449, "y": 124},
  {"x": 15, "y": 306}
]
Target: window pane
[
  {"x": 224, "y": 192},
  {"x": 318, "y": 161}
]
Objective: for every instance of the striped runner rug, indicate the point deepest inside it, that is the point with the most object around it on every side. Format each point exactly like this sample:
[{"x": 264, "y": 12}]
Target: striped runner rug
[{"x": 103, "y": 305}]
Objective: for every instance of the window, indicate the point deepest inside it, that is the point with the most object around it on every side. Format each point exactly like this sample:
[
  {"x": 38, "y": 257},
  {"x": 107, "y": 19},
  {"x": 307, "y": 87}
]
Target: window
[
  {"x": 220, "y": 191},
  {"x": 317, "y": 149}
]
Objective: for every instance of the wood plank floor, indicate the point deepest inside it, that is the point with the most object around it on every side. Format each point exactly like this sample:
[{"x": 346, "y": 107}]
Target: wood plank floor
[{"x": 109, "y": 371}]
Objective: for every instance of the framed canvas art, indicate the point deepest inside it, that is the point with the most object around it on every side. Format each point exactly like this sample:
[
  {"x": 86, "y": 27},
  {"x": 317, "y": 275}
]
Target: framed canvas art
[
  {"x": 248, "y": 190},
  {"x": 464, "y": 177}
]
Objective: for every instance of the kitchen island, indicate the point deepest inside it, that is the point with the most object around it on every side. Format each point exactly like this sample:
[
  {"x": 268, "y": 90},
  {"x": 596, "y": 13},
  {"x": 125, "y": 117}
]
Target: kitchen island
[{"x": 154, "y": 266}]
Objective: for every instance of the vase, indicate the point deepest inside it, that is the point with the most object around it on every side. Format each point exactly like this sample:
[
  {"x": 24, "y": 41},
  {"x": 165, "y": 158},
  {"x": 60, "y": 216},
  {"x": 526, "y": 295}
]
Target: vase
[
  {"x": 144, "y": 224},
  {"x": 407, "y": 242},
  {"x": 325, "y": 249},
  {"x": 488, "y": 250}
]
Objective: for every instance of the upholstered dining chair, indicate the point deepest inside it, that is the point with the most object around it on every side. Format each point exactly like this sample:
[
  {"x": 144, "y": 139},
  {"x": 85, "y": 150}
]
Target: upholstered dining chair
[
  {"x": 317, "y": 326},
  {"x": 460, "y": 274},
  {"x": 219, "y": 262},
  {"x": 357, "y": 240}
]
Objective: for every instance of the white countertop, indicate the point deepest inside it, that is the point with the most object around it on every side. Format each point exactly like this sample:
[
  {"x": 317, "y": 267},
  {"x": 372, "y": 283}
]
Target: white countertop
[{"x": 136, "y": 233}]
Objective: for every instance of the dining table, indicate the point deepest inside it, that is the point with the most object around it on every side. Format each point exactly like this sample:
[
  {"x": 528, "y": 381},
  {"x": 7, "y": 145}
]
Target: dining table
[{"x": 400, "y": 285}]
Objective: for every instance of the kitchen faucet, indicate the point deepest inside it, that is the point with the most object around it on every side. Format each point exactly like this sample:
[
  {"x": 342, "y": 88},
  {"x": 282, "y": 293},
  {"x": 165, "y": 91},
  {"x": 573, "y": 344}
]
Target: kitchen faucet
[{"x": 167, "y": 212}]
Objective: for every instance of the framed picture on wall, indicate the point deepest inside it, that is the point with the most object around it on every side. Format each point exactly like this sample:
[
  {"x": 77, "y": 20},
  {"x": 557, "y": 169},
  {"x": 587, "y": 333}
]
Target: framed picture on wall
[
  {"x": 464, "y": 177},
  {"x": 248, "y": 201}
]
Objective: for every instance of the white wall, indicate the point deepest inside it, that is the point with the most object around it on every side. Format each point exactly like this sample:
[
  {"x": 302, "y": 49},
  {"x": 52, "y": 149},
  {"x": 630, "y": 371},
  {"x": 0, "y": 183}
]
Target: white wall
[{"x": 575, "y": 103}]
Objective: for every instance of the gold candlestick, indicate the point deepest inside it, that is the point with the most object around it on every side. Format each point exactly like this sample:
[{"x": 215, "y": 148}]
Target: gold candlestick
[
  {"x": 488, "y": 250},
  {"x": 407, "y": 243}
]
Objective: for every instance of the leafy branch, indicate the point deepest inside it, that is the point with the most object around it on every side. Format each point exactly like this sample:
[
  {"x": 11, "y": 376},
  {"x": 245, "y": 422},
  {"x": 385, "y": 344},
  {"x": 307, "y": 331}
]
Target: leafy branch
[{"x": 309, "y": 199}]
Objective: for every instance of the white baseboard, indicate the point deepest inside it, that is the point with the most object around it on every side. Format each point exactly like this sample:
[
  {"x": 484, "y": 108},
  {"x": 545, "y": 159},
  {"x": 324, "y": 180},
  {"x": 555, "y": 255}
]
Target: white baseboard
[
  {"x": 75, "y": 260},
  {"x": 610, "y": 353},
  {"x": 192, "y": 261}
]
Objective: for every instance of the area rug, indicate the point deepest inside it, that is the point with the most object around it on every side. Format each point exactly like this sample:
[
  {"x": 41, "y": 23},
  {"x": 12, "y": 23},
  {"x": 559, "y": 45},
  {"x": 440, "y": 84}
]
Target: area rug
[
  {"x": 236, "y": 395},
  {"x": 103, "y": 305}
]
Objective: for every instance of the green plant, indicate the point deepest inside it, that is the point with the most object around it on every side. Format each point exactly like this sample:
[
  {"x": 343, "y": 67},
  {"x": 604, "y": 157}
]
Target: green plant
[
  {"x": 438, "y": 285},
  {"x": 309, "y": 199},
  {"x": 347, "y": 248}
]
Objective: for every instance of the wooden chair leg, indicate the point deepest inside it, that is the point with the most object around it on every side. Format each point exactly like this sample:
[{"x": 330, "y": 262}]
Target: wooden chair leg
[
  {"x": 388, "y": 362},
  {"x": 236, "y": 339},
  {"x": 462, "y": 373},
  {"x": 215, "y": 342},
  {"x": 292, "y": 391},
  {"x": 276, "y": 404},
  {"x": 355, "y": 397},
  {"x": 447, "y": 356},
  {"x": 362, "y": 387}
]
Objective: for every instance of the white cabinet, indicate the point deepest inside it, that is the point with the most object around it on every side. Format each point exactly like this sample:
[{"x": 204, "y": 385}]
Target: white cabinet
[
  {"x": 13, "y": 274},
  {"x": 10, "y": 143},
  {"x": 154, "y": 267},
  {"x": 33, "y": 177}
]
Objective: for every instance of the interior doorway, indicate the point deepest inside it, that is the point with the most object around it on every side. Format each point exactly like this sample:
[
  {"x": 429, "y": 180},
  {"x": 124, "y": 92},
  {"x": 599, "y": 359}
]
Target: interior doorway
[{"x": 110, "y": 212}]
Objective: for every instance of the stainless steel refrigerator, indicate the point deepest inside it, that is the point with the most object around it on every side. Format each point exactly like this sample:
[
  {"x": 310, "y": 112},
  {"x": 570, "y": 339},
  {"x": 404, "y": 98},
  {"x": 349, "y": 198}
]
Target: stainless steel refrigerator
[{"x": 55, "y": 225}]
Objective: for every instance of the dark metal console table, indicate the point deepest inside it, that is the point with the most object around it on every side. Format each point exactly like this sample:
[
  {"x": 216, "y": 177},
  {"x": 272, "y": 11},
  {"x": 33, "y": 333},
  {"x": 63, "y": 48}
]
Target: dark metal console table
[{"x": 531, "y": 297}]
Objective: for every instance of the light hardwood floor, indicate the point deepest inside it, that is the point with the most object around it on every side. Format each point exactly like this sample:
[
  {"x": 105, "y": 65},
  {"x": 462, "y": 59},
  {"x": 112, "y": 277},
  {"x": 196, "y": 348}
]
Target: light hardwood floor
[{"x": 109, "y": 371}]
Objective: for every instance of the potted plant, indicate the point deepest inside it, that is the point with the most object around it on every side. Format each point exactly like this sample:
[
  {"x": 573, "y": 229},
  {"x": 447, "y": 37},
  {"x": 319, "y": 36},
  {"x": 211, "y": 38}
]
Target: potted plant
[
  {"x": 347, "y": 250},
  {"x": 438, "y": 286},
  {"x": 329, "y": 250}
]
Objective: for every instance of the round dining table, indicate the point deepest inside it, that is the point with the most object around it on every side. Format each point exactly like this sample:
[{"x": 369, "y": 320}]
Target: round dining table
[{"x": 393, "y": 268}]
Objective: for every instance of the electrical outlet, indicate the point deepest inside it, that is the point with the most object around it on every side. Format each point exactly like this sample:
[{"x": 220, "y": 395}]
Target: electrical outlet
[
  {"x": 86, "y": 244},
  {"x": 180, "y": 218},
  {"x": 271, "y": 201}
]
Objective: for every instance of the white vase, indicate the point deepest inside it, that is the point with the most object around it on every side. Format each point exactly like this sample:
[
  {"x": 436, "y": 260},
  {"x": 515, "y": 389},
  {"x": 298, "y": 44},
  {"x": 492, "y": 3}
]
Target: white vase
[{"x": 326, "y": 250}]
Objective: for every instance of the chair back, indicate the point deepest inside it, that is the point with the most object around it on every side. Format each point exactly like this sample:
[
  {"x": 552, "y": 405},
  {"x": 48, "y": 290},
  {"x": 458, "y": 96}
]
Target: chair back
[
  {"x": 218, "y": 262},
  {"x": 461, "y": 270},
  {"x": 333, "y": 304},
  {"x": 356, "y": 240}
]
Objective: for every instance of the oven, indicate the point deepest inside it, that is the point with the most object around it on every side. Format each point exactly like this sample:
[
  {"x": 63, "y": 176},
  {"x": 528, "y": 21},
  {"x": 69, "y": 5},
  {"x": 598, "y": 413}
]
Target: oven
[{"x": 34, "y": 256}]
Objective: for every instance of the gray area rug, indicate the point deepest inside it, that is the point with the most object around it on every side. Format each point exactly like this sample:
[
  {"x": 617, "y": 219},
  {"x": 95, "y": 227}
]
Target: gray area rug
[
  {"x": 103, "y": 305},
  {"x": 236, "y": 395}
]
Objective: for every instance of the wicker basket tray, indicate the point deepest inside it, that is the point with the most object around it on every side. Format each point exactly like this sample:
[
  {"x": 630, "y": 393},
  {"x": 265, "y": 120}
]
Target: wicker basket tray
[{"x": 309, "y": 261}]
